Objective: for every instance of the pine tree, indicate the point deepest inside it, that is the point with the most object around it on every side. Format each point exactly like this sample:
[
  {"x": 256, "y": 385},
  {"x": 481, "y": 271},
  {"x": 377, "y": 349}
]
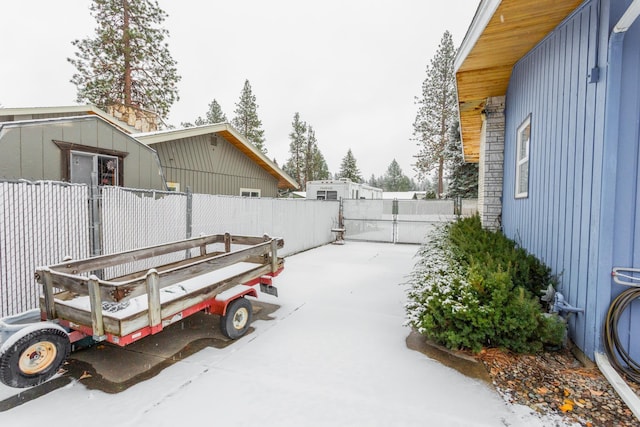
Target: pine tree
[
  {"x": 316, "y": 165},
  {"x": 246, "y": 120},
  {"x": 128, "y": 60},
  {"x": 213, "y": 116},
  {"x": 295, "y": 164},
  {"x": 349, "y": 168},
  {"x": 436, "y": 113},
  {"x": 394, "y": 179},
  {"x": 320, "y": 167},
  {"x": 306, "y": 162},
  {"x": 463, "y": 177},
  {"x": 215, "y": 113}
]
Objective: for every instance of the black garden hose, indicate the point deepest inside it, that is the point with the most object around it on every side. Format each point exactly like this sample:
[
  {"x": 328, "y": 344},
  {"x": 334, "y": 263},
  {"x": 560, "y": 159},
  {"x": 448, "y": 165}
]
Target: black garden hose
[{"x": 614, "y": 348}]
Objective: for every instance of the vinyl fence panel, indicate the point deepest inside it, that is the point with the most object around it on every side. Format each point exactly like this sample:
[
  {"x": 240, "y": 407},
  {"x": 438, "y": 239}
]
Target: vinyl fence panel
[{"x": 40, "y": 223}]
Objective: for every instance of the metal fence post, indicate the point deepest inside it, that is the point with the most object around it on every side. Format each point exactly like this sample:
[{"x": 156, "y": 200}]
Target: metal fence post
[
  {"x": 189, "y": 219},
  {"x": 189, "y": 212},
  {"x": 95, "y": 194},
  {"x": 394, "y": 212}
]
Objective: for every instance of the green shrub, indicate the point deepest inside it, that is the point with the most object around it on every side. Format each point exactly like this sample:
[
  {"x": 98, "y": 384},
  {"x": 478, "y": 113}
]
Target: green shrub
[
  {"x": 471, "y": 243},
  {"x": 552, "y": 330},
  {"x": 473, "y": 288}
]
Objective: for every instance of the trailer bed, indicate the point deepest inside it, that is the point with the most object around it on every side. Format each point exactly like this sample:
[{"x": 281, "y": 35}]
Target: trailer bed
[
  {"x": 127, "y": 308},
  {"x": 155, "y": 287}
]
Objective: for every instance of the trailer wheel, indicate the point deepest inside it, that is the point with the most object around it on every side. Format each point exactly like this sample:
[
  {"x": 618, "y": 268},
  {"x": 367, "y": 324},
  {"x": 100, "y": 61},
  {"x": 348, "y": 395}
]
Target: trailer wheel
[
  {"x": 236, "y": 321},
  {"x": 34, "y": 358}
]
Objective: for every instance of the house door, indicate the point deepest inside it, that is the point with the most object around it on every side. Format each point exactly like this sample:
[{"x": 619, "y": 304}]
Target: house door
[{"x": 94, "y": 170}]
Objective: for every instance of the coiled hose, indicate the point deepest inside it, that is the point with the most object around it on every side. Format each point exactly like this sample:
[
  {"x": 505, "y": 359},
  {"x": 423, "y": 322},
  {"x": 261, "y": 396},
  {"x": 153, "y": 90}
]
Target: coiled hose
[{"x": 614, "y": 348}]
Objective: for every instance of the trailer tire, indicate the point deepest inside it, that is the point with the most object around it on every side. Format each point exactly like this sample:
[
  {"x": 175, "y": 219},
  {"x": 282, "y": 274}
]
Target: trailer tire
[
  {"x": 237, "y": 319},
  {"x": 34, "y": 358}
]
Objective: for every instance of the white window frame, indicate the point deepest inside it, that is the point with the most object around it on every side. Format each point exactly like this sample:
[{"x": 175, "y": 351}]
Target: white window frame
[
  {"x": 522, "y": 163},
  {"x": 249, "y": 192}
]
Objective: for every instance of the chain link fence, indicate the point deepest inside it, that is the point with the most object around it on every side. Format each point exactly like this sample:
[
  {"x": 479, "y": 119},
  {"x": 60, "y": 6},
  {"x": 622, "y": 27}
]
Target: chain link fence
[{"x": 41, "y": 223}]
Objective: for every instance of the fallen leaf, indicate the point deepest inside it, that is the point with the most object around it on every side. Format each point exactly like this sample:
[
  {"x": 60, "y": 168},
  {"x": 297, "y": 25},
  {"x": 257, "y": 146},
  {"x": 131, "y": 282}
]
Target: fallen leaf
[
  {"x": 567, "y": 406},
  {"x": 543, "y": 390},
  {"x": 596, "y": 392},
  {"x": 566, "y": 392},
  {"x": 84, "y": 375}
]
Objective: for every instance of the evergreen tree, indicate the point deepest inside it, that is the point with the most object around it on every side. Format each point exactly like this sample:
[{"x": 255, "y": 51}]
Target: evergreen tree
[
  {"x": 394, "y": 179},
  {"x": 320, "y": 167},
  {"x": 317, "y": 168},
  {"x": 295, "y": 165},
  {"x": 430, "y": 189},
  {"x": 215, "y": 113},
  {"x": 463, "y": 177},
  {"x": 246, "y": 120},
  {"x": 309, "y": 154},
  {"x": 128, "y": 60},
  {"x": 213, "y": 116},
  {"x": 374, "y": 182},
  {"x": 349, "y": 168},
  {"x": 436, "y": 113},
  {"x": 306, "y": 162},
  {"x": 414, "y": 185}
]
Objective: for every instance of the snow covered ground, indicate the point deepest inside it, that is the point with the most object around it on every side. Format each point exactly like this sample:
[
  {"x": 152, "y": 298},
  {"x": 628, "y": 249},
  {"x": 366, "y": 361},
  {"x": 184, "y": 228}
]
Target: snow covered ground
[{"x": 334, "y": 356}]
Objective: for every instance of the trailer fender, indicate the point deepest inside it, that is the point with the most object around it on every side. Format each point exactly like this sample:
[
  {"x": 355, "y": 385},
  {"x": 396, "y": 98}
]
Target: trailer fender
[{"x": 223, "y": 299}]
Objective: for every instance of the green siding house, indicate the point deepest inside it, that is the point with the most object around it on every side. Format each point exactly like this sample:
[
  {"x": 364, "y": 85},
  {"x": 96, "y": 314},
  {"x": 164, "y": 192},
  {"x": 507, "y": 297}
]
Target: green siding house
[
  {"x": 82, "y": 149},
  {"x": 216, "y": 159}
]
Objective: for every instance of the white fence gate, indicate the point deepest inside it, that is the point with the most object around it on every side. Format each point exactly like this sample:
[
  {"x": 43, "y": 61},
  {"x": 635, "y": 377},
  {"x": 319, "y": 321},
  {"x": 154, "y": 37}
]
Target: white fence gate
[{"x": 398, "y": 221}]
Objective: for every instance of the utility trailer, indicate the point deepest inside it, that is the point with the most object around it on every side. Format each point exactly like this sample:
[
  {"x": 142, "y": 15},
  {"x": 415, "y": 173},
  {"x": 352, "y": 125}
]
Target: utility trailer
[{"x": 211, "y": 273}]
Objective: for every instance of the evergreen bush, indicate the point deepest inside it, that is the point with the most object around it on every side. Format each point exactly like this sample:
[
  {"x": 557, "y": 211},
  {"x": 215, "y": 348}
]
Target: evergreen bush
[{"x": 473, "y": 288}]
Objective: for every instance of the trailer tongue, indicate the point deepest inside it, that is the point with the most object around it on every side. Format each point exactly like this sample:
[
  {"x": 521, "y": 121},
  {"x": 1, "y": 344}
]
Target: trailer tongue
[{"x": 212, "y": 273}]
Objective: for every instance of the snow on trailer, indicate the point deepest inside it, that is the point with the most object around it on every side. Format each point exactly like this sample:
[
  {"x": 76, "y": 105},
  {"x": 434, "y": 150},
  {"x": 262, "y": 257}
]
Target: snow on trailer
[{"x": 77, "y": 305}]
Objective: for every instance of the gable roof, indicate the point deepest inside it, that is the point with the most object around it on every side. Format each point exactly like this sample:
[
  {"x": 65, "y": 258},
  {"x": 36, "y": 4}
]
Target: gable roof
[
  {"x": 67, "y": 118},
  {"x": 502, "y": 32},
  {"x": 28, "y": 113},
  {"x": 226, "y": 131}
]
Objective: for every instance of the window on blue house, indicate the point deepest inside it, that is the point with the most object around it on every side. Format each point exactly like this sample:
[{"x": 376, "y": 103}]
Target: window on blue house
[{"x": 522, "y": 158}]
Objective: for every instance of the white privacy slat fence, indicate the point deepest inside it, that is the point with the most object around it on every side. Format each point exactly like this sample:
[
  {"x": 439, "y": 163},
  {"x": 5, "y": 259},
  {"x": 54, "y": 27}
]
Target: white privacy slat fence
[
  {"x": 137, "y": 218},
  {"x": 40, "y": 223},
  {"x": 43, "y": 222}
]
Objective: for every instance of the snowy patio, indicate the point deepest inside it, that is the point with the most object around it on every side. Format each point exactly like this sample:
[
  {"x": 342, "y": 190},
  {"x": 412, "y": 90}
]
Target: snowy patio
[{"x": 335, "y": 355}]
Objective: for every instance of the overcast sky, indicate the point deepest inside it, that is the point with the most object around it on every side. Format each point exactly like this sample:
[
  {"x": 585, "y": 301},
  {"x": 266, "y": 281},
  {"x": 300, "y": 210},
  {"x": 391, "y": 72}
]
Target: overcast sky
[{"x": 351, "y": 68}]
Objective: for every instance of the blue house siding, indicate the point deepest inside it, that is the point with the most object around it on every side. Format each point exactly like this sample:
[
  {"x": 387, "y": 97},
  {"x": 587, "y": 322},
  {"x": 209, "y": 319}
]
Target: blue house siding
[{"x": 558, "y": 221}]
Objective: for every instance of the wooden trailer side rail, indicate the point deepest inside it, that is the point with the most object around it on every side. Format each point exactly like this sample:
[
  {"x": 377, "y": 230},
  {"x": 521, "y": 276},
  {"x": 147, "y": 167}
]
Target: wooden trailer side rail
[
  {"x": 64, "y": 276},
  {"x": 75, "y": 267}
]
